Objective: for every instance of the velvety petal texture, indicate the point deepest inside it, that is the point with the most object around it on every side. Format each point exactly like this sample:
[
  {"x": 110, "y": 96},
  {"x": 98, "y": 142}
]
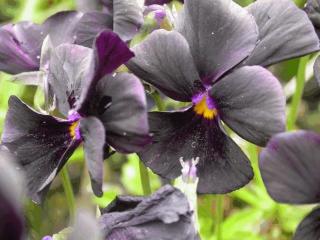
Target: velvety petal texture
[
  {"x": 40, "y": 143},
  {"x": 11, "y": 194},
  {"x": 162, "y": 216},
  {"x": 164, "y": 60},
  {"x": 284, "y": 32},
  {"x": 220, "y": 34},
  {"x": 120, "y": 104},
  {"x": 289, "y": 167},
  {"x": 251, "y": 101},
  {"x": 309, "y": 228},
  {"x": 93, "y": 133},
  {"x": 312, "y": 8},
  {"x": 222, "y": 166}
]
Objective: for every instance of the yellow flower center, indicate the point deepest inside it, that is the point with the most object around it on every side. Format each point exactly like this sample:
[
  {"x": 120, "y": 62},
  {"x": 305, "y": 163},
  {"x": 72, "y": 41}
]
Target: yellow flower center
[
  {"x": 73, "y": 129},
  {"x": 201, "y": 108}
]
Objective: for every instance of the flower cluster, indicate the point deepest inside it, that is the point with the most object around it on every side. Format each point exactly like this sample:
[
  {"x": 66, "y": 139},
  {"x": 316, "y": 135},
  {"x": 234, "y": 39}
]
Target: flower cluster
[{"x": 214, "y": 61}]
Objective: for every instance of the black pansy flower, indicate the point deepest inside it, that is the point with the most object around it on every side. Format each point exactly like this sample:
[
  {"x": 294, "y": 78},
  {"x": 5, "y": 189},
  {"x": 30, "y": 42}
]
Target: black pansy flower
[
  {"x": 210, "y": 59},
  {"x": 11, "y": 195},
  {"x": 290, "y": 167},
  {"x": 20, "y": 48},
  {"x": 162, "y": 216},
  {"x": 100, "y": 110}
]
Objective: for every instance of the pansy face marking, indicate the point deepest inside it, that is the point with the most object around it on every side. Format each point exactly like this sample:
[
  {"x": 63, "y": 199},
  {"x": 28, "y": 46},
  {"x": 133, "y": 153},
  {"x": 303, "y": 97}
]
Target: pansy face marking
[
  {"x": 74, "y": 129},
  {"x": 204, "y": 106}
]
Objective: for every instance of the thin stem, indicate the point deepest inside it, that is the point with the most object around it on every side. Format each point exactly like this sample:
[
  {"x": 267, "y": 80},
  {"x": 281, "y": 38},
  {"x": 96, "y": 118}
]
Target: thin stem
[
  {"x": 158, "y": 101},
  {"x": 145, "y": 181},
  {"x": 300, "y": 80},
  {"x": 67, "y": 186},
  {"x": 219, "y": 216}
]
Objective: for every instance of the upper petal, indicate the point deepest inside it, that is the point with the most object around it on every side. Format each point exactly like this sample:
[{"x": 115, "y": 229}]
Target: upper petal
[
  {"x": 220, "y": 34},
  {"x": 41, "y": 144},
  {"x": 284, "y": 32},
  {"x": 309, "y": 228},
  {"x": 222, "y": 168},
  {"x": 71, "y": 71},
  {"x": 251, "y": 101},
  {"x": 164, "y": 60},
  {"x": 120, "y": 104},
  {"x": 127, "y": 18},
  {"x": 20, "y": 47},
  {"x": 289, "y": 167}
]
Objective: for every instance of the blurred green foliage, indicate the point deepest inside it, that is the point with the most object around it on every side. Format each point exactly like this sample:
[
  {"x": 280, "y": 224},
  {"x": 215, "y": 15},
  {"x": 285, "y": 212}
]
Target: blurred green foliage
[{"x": 249, "y": 213}]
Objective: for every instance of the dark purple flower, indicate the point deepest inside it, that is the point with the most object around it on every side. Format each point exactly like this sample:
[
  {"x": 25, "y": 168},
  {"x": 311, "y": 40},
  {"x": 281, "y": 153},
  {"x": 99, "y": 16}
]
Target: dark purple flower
[
  {"x": 290, "y": 170},
  {"x": 163, "y": 215},
  {"x": 210, "y": 59},
  {"x": 11, "y": 185},
  {"x": 20, "y": 48},
  {"x": 100, "y": 110}
]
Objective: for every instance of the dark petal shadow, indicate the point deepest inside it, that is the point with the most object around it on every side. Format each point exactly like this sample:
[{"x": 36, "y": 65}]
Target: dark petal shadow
[
  {"x": 222, "y": 168},
  {"x": 284, "y": 32},
  {"x": 290, "y": 165},
  {"x": 40, "y": 143},
  {"x": 251, "y": 101},
  {"x": 309, "y": 228},
  {"x": 220, "y": 34},
  {"x": 125, "y": 115}
]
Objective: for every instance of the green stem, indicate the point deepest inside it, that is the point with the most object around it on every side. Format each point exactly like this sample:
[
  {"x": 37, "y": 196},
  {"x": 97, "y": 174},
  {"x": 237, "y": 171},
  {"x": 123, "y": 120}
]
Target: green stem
[
  {"x": 28, "y": 10},
  {"x": 219, "y": 217},
  {"x": 67, "y": 186},
  {"x": 300, "y": 80},
  {"x": 157, "y": 99},
  {"x": 145, "y": 181}
]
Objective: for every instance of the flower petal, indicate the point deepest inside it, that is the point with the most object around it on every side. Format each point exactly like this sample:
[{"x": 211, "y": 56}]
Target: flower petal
[
  {"x": 220, "y": 34},
  {"x": 251, "y": 101},
  {"x": 309, "y": 228},
  {"x": 93, "y": 134},
  {"x": 11, "y": 195},
  {"x": 90, "y": 25},
  {"x": 284, "y": 32},
  {"x": 121, "y": 106},
  {"x": 312, "y": 8},
  {"x": 127, "y": 18},
  {"x": 316, "y": 69},
  {"x": 289, "y": 167},
  {"x": 111, "y": 52},
  {"x": 41, "y": 144},
  {"x": 164, "y": 60},
  {"x": 20, "y": 47},
  {"x": 71, "y": 69},
  {"x": 165, "y": 213},
  {"x": 222, "y": 168}
]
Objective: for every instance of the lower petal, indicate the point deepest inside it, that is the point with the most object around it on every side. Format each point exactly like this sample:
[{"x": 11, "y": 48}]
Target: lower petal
[
  {"x": 40, "y": 143},
  {"x": 222, "y": 168},
  {"x": 309, "y": 228}
]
